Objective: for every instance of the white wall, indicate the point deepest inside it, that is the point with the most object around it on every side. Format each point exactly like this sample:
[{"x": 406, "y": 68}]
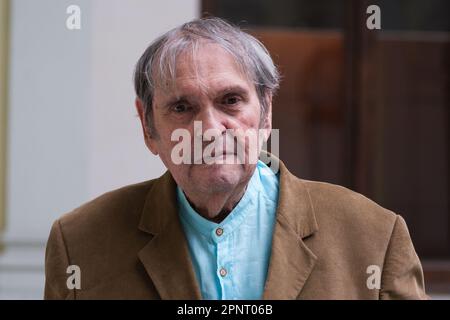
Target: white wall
[
  {"x": 73, "y": 132},
  {"x": 118, "y": 154},
  {"x": 49, "y": 106}
]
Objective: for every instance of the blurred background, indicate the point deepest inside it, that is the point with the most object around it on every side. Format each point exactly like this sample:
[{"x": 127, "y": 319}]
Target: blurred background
[{"x": 367, "y": 109}]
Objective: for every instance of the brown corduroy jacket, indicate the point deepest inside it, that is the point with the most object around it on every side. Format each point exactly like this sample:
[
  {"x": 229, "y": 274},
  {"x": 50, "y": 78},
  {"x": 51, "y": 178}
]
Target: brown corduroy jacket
[{"x": 328, "y": 243}]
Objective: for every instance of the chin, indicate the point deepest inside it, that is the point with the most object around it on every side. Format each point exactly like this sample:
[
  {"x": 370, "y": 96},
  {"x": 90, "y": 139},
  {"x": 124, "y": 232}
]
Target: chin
[{"x": 217, "y": 177}]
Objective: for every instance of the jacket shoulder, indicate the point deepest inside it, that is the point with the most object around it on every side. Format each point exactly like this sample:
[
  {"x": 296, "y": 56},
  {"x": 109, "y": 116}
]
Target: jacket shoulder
[
  {"x": 341, "y": 210},
  {"x": 340, "y": 200},
  {"x": 354, "y": 234},
  {"x": 101, "y": 238},
  {"x": 109, "y": 212}
]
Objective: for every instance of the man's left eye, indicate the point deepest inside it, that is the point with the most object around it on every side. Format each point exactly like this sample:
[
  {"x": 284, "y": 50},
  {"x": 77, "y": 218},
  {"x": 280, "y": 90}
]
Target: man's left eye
[{"x": 231, "y": 100}]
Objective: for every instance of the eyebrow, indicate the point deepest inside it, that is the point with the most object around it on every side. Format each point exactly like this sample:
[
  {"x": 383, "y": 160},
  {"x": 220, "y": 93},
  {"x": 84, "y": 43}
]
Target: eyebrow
[
  {"x": 228, "y": 89},
  {"x": 233, "y": 89}
]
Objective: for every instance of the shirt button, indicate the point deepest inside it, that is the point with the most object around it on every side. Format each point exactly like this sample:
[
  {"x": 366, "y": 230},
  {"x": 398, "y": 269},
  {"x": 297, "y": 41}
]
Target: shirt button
[
  {"x": 219, "y": 232},
  {"x": 223, "y": 272}
]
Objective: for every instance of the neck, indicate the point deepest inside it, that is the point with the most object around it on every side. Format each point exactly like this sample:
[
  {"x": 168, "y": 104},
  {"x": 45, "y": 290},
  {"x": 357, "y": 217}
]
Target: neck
[{"x": 216, "y": 207}]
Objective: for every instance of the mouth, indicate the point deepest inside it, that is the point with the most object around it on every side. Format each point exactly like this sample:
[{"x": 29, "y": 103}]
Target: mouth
[{"x": 216, "y": 159}]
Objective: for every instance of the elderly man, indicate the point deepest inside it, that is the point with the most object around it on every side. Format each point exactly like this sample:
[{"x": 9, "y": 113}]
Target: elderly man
[{"x": 224, "y": 229}]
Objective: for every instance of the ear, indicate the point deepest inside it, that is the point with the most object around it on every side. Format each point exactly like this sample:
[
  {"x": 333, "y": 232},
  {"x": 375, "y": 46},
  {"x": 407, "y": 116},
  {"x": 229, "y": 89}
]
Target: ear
[
  {"x": 267, "y": 121},
  {"x": 149, "y": 140}
]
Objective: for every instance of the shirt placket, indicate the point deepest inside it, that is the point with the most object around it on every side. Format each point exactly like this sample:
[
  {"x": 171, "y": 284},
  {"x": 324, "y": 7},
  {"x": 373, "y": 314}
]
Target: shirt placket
[{"x": 224, "y": 265}]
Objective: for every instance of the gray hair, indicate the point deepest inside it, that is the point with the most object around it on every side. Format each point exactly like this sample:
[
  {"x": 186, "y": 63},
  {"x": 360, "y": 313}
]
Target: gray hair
[{"x": 157, "y": 64}]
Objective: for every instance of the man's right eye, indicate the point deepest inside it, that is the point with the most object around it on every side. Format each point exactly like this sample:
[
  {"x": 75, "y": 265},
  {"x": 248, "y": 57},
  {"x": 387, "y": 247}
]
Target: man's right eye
[{"x": 180, "y": 108}]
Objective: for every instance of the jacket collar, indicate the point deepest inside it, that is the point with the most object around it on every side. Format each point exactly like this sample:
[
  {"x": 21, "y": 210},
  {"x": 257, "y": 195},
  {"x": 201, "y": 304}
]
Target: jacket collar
[{"x": 167, "y": 260}]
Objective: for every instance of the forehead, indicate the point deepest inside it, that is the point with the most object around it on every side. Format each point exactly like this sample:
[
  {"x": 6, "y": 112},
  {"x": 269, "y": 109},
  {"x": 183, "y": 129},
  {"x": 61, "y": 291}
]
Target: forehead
[{"x": 208, "y": 68}]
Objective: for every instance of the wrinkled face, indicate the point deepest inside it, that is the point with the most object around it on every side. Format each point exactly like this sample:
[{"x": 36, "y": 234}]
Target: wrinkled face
[{"x": 217, "y": 94}]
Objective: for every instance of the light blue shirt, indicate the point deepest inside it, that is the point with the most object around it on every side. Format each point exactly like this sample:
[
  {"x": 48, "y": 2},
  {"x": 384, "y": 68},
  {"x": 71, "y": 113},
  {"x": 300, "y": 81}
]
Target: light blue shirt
[{"x": 231, "y": 258}]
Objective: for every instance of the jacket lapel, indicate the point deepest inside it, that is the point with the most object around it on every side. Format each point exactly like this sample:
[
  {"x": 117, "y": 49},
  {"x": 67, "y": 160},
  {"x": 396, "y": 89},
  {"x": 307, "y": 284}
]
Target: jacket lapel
[
  {"x": 291, "y": 260},
  {"x": 166, "y": 257}
]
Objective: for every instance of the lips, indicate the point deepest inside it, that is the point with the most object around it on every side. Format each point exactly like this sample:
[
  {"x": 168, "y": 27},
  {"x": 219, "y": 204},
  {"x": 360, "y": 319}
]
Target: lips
[
  {"x": 211, "y": 159},
  {"x": 219, "y": 147}
]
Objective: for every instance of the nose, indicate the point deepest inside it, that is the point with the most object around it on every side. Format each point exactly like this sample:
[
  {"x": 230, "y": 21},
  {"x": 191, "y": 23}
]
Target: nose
[{"x": 212, "y": 119}]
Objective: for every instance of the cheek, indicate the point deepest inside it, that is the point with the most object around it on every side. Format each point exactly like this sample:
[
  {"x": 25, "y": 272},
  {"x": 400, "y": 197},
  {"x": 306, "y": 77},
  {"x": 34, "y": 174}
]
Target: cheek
[
  {"x": 254, "y": 113},
  {"x": 166, "y": 146},
  {"x": 248, "y": 117},
  {"x": 165, "y": 131}
]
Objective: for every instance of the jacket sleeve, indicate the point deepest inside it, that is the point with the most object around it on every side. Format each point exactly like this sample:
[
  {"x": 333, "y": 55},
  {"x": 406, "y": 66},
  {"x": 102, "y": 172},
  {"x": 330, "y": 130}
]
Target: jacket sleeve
[
  {"x": 56, "y": 263},
  {"x": 402, "y": 276}
]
